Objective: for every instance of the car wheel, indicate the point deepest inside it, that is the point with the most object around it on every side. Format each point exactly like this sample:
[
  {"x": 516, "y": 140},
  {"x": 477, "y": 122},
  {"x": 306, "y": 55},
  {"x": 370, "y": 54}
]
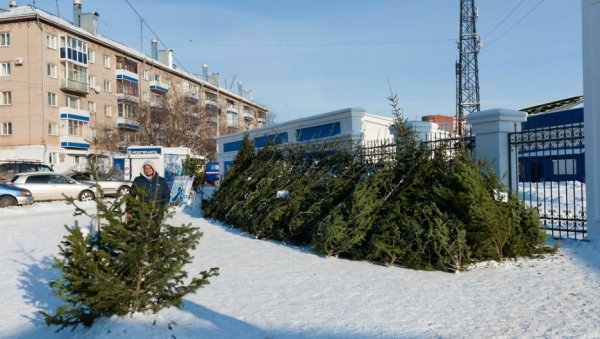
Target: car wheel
[
  {"x": 86, "y": 195},
  {"x": 6, "y": 201},
  {"x": 123, "y": 190}
]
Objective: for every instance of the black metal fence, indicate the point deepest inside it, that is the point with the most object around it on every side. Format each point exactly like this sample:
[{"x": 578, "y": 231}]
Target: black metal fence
[
  {"x": 550, "y": 176},
  {"x": 384, "y": 150}
]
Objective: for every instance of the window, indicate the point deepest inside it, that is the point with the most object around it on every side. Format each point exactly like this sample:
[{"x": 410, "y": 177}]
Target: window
[
  {"x": 146, "y": 96},
  {"x": 73, "y": 102},
  {"x": 108, "y": 110},
  {"x": 51, "y": 41},
  {"x": 127, "y": 87},
  {"x": 53, "y": 158},
  {"x": 126, "y": 64},
  {"x": 78, "y": 128},
  {"x": 145, "y": 75},
  {"x": 4, "y": 39},
  {"x": 73, "y": 49},
  {"x": 52, "y": 128},
  {"x": 92, "y": 107},
  {"x": 51, "y": 99},
  {"x": 106, "y": 61},
  {"x": 92, "y": 56},
  {"x": 52, "y": 70},
  {"x": 126, "y": 110},
  {"x": 5, "y": 98},
  {"x": 91, "y": 81},
  {"x": 564, "y": 166},
  {"x": 156, "y": 77},
  {"x": 4, "y": 68},
  {"x": 77, "y": 74},
  {"x": 6, "y": 128},
  {"x": 106, "y": 85}
]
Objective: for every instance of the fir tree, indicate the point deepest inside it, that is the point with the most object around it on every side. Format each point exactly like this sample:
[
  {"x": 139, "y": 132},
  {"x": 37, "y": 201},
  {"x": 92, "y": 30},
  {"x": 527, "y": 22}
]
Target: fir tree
[{"x": 122, "y": 266}]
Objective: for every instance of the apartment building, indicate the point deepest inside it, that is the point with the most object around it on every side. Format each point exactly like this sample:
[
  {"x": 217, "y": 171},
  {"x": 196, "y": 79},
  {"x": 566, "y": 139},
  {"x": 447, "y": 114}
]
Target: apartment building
[{"x": 62, "y": 84}]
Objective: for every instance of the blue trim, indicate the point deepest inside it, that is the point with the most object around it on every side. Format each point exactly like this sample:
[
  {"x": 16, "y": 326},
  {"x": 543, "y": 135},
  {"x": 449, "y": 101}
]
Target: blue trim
[
  {"x": 276, "y": 139},
  {"x": 191, "y": 99},
  {"x": 232, "y": 146},
  {"x": 127, "y": 77},
  {"x": 69, "y": 144},
  {"x": 158, "y": 89},
  {"x": 211, "y": 105},
  {"x": 126, "y": 101},
  {"x": 567, "y": 117},
  {"x": 128, "y": 126},
  {"x": 318, "y": 132},
  {"x": 146, "y": 150},
  {"x": 72, "y": 116}
]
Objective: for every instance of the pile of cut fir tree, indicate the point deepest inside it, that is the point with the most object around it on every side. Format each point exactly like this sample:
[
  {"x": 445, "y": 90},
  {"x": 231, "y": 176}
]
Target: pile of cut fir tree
[{"x": 421, "y": 208}]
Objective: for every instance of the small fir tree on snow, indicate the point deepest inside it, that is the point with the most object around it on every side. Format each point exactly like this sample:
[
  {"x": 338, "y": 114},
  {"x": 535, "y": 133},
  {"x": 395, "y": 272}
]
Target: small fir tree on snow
[{"x": 123, "y": 267}]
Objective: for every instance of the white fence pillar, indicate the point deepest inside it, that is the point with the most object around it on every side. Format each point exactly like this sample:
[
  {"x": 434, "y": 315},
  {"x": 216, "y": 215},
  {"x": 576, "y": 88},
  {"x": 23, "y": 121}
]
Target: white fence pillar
[
  {"x": 491, "y": 129},
  {"x": 591, "y": 93}
]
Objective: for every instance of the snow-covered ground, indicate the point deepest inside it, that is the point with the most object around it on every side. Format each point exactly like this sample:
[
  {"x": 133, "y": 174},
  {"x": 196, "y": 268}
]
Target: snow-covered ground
[
  {"x": 270, "y": 290},
  {"x": 561, "y": 205}
]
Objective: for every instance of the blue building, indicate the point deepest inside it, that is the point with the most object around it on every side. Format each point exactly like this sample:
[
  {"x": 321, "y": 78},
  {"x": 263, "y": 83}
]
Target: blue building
[{"x": 551, "y": 148}]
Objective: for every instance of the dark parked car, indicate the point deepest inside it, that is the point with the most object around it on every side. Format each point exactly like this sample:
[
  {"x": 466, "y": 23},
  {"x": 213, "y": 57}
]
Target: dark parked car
[
  {"x": 8, "y": 168},
  {"x": 12, "y": 196}
]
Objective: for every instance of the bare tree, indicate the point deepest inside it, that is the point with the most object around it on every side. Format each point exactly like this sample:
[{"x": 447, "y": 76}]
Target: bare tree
[{"x": 177, "y": 118}]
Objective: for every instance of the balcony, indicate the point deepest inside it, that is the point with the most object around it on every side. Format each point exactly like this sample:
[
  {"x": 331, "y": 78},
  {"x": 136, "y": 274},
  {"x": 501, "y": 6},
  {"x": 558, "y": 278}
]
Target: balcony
[
  {"x": 211, "y": 104},
  {"x": 127, "y": 124},
  {"x": 127, "y": 97},
  {"x": 127, "y": 75},
  {"x": 74, "y": 114},
  {"x": 74, "y": 86},
  {"x": 156, "y": 104},
  {"x": 232, "y": 122},
  {"x": 191, "y": 98},
  {"x": 261, "y": 122},
  {"x": 159, "y": 87},
  {"x": 70, "y": 141},
  {"x": 248, "y": 116}
]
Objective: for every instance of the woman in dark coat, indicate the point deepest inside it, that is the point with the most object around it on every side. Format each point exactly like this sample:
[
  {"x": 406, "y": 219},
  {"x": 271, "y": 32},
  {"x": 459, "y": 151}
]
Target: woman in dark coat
[{"x": 151, "y": 187}]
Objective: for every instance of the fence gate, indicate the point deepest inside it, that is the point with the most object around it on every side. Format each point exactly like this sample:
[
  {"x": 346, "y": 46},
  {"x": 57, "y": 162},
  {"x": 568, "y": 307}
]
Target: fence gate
[{"x": 550, "y": 165}]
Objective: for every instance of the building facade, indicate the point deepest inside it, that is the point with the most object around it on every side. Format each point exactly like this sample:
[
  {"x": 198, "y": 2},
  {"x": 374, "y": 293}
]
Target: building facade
[
  {"x": 349, "y": 124},
  {"x": 63, "y": 85}
]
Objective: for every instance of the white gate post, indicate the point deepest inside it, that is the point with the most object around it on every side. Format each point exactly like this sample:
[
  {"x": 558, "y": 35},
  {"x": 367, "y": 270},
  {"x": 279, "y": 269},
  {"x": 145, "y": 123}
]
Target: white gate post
[
  {"x": 491, "y": 129},
  {"x": 591, "y": 94}
]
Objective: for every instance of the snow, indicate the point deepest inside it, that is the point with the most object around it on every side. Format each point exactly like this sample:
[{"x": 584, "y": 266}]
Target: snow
[{"x": 268, "y": 289}]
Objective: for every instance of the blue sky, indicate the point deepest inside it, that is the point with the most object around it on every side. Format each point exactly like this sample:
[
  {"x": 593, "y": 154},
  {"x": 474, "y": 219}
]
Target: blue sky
[{"x": 306, "y": 57}]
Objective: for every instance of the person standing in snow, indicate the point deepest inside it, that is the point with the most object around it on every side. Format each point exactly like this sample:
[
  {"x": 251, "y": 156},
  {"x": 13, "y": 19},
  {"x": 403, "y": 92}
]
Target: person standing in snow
[{"x": 151, "y": 187}]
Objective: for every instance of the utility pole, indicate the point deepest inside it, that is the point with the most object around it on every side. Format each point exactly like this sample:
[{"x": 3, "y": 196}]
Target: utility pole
[{"x": 467, "y": 69}]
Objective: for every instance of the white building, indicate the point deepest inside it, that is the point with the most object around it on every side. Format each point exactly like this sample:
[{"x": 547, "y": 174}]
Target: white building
[{"x": 353, "y": 124}]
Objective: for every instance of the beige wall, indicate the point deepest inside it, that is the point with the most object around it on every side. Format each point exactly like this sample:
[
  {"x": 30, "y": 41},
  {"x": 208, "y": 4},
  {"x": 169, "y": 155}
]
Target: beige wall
[{"x": 29, "y": 85}]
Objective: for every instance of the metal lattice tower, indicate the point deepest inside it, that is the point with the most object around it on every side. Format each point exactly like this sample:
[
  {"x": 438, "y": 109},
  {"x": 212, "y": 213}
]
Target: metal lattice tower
[{"x": 467, "y": 70}]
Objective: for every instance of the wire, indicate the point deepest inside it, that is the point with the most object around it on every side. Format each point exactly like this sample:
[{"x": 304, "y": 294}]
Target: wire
[
  {"x": 154, "y": 33},
  {"x": 504, "y": 19},
  {"x": 516, "y": 23}
]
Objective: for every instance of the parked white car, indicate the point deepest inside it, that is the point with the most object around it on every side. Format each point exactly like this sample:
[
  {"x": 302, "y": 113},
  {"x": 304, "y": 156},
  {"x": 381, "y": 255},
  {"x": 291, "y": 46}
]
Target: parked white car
[
  {"x": 52, "y": 186},
  {"x": 109, "y": 185}
]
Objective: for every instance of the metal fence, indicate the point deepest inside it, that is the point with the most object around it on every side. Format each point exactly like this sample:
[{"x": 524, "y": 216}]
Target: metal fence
[
  {"x": 384, "y": 150},
  {"x": 550, "y": 172}
]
